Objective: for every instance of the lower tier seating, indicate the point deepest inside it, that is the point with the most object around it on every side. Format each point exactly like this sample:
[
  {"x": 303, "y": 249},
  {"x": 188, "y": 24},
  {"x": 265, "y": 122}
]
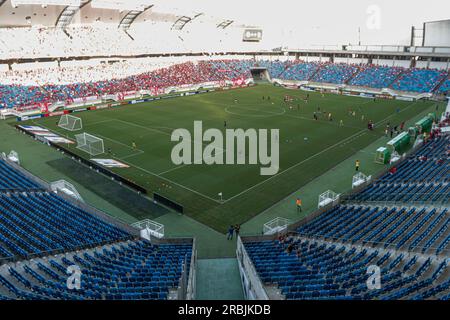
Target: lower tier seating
[
  {"x": 130, "y": 270},
  {"x": 319, "y": 270}
]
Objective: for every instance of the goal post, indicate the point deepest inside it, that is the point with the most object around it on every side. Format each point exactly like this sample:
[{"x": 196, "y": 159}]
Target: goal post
[
  {"x": 70, "y": 123},
  {"x": 90, "y": 144}
]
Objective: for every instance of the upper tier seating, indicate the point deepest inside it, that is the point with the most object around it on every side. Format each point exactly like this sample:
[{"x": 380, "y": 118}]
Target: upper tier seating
[
  {"x": 275, "y": 68},
  {"x": 334, "y": 73},
  {"x": 445, "y": 87},
  {"x": 175, "y": 75},
  {"x": 231, "y": 69},
  {"x": 300, "y": 71},
  {"x": 419, "y": 80},
  {"x": 40, "y": 88},
  {"x": 376, "y": 76}
]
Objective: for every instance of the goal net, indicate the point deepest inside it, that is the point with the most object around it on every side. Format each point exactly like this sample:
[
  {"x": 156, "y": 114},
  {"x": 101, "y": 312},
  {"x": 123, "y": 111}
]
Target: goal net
[
  {"x": 275, "y": 225},
  {"x": 90, "y": 144},
  {"x": 70, "y": 123}
]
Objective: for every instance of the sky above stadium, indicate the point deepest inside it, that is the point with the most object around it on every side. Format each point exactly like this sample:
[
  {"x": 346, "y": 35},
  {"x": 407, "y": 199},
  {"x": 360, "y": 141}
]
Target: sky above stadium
[{"x": 299, "y": 22}]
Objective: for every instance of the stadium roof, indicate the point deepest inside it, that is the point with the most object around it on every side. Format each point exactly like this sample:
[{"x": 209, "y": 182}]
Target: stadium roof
[{"x": 60, "y": 13}]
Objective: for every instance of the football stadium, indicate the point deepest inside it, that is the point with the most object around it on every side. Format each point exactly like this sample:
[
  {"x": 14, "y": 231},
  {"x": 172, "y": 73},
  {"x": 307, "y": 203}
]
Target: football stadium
[{"x": 190, "y": 150}]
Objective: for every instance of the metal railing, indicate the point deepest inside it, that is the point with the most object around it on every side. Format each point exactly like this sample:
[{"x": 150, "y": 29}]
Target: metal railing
[
  {"x": 17, "y": 258},
  {"x": 375, "y": 245},
  {"x": 397, "y": 203}
]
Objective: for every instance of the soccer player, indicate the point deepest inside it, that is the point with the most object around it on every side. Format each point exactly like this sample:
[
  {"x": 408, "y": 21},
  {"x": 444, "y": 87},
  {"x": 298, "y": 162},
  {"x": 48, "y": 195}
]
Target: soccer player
[
  {"x": 133, "y": 145},
  {"x": 298, "y": 202},
  {"x": 315, "y": 116},
  {"x": 341, "y": 123},
  {"x": 357, "y": 163}
]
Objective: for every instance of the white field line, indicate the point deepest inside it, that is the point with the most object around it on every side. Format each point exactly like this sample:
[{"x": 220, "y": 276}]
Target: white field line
[
  {"x": 360, "y": 133},
  {"x": 145, "y": 170},
  {"x": 170, "y": 181},
  {"x": 159, "y": 131},
  {"x": 133, "y": 155},
  {"x": 184, "y": 165},
  {"x": 98, "y": 122},
  {"x": 121, "y": 143},
  {"x": 333, "y": 123}
]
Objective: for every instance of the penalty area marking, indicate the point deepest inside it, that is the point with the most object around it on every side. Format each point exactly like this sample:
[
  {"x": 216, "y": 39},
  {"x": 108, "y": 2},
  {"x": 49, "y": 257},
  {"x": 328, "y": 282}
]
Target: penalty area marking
[{"x": 170, "y": 181}]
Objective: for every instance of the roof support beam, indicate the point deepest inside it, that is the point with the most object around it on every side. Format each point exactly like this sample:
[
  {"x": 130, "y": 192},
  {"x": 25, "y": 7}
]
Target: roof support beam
[
  {"x": 130, "y": 17},
  {"x": 182, "y": 21},
  {"x": 224, "y": 24},
  {"x": 66, "y": 16}
]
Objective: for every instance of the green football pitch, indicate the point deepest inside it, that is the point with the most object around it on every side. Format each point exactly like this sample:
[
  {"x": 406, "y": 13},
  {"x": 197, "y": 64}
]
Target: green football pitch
[{"x": 245, "y": 192}]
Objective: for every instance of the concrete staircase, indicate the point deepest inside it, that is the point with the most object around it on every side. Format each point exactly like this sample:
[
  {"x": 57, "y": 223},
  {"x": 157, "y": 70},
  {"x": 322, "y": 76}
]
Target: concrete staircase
[{"x": 218, "y": 279}]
